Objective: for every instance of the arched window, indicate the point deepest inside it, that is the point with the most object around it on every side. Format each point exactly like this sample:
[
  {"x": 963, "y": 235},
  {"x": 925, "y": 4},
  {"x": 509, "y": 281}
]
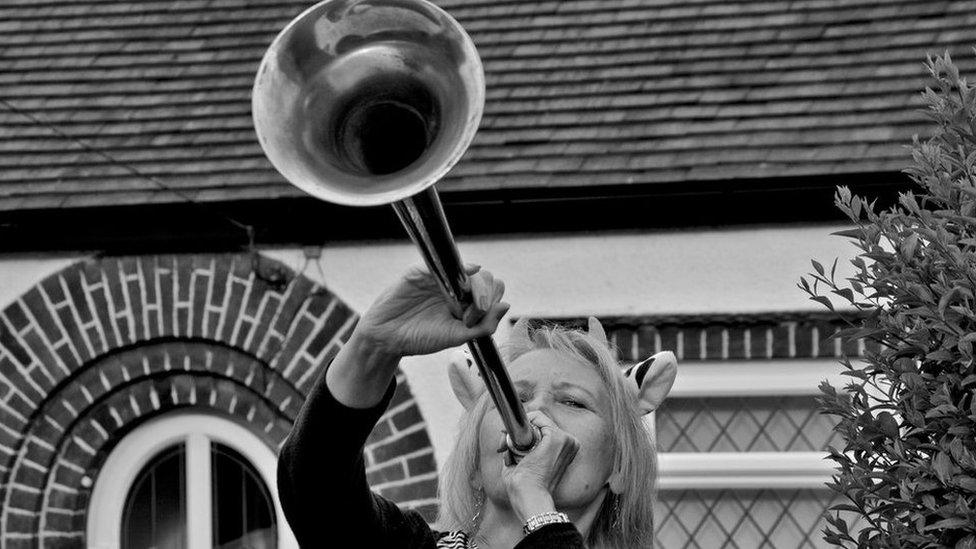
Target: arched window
[
  {"x": 155, "y": 510},
  {"x": 243, "y": 511},
  {"x": 188, "y": 481}
]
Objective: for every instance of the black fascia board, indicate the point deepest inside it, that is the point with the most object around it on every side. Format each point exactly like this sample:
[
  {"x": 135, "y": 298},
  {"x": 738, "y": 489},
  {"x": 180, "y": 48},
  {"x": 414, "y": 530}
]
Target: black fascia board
[{"x": 282, "y": 222}]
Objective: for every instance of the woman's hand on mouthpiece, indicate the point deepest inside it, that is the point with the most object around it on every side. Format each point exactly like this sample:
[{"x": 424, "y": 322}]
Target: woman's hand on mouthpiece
[{"x": 532, "y": 481}]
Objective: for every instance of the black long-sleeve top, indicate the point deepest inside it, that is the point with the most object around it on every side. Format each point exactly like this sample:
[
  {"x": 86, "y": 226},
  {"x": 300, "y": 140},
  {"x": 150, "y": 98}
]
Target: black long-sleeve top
[{"x": 327, "y": 501}]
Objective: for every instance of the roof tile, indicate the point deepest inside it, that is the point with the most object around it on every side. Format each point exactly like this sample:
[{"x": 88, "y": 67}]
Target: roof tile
[{"x": 103, "y": 101}]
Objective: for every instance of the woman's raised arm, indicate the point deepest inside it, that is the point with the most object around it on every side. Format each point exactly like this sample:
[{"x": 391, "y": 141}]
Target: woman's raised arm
[{"x": 321, "y": 475}]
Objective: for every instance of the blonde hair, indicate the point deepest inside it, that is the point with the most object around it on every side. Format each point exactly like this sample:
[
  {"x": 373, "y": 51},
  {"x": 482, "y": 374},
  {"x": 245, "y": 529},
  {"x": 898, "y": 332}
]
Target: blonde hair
[{"x": 632, "y": 524}]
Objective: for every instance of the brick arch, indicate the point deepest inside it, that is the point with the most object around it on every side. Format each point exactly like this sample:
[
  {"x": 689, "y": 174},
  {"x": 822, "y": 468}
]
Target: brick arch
[{"x": 92, "y": 351}]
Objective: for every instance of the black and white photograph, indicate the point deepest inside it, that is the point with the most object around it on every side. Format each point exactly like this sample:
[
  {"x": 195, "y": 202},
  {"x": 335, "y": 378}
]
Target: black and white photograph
[{"x": 488, "y": 274}]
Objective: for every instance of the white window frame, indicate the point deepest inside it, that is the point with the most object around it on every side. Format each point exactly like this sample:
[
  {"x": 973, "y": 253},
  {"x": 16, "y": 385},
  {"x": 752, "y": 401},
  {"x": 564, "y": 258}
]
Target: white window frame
[
  {"x": 748, "y": 470},
  {"x": 196, "y": 431}
]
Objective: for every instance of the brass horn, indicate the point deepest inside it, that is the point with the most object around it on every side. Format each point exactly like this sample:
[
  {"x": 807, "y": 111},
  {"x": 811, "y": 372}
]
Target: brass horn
[{"x": 368, "y": 102}]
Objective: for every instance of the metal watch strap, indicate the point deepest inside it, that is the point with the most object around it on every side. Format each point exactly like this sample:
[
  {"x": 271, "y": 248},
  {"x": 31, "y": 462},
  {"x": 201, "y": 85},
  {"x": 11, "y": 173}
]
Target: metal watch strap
[{"x": 538, "y": 521}]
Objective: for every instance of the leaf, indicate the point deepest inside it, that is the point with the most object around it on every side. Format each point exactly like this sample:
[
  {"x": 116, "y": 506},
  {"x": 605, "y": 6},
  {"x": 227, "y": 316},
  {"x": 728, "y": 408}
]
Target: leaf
[
  {"x": 965, "y": 482},
  {"x": 941, "y": 410},
  {"x": 823, "y": 300},
  {"x": 942, "y": 355},
  {"x": 960, "y": 431},
  {"x": 968, "y": 542},
  {"x": 908, "y": 246},
  {"x": 849, "y": 233},
  {"x": 888, "y": 425},
  {"x": 943, "y": 467},
  {"x": 963, "y": 310},
  {"x": 953, "y": 522},
  {"x": 817, "y": 267},
  {"x": 845, "y": 507},
  {"x": 827, "y": 388},
  {"x": 944, "y": 302},
  {"x": 846, "y": 293},
  {"x": 804, "y": 285}
]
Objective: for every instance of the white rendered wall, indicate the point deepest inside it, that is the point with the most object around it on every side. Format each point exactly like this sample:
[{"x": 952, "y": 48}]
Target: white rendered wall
[
  {"x": 749, "y": 270},
  {"x": 19, "y": 274},
  {"x": 719, "y": 271}
]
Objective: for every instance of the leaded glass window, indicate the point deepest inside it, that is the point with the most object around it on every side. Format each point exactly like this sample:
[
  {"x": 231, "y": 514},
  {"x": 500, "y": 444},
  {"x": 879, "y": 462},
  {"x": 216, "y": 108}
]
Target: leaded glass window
[
  {"x": 243, "y": 511},
  {"x": 743, "y": 424},
  {"x": 155, "y": 509}
]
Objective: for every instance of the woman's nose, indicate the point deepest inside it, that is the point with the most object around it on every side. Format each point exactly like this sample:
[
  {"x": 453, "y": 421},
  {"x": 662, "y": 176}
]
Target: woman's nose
[{"x": 539, "y": 403}]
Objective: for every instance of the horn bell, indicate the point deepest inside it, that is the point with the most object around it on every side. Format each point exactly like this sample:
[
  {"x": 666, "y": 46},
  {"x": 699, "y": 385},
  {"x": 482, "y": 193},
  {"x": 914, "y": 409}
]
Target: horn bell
[{"x": 366, "y": 102}]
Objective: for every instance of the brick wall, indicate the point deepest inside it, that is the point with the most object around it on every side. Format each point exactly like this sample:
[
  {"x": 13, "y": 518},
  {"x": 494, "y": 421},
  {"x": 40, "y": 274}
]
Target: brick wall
[{"x": 106, "y": 344}]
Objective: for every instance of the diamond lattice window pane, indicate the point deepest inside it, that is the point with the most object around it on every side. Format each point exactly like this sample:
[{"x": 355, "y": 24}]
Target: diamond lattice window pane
[
  {"x": 743, "y": 424},
  {"x": 761, "y": 519}
]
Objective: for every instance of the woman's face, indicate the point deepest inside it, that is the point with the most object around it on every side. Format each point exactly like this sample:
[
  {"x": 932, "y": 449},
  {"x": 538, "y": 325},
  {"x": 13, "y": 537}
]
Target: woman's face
[{"x": 572, "y": 394}]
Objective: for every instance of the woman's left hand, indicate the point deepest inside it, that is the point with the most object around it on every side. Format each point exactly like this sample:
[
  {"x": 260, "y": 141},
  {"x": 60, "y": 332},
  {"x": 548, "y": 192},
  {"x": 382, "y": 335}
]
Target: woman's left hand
[
  {"x": 413, "y": 317},
  {"x": 531, "y": 482}
]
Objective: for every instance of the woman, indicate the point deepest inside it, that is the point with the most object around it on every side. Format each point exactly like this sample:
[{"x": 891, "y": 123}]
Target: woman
[{"x": 587, "y": 481}]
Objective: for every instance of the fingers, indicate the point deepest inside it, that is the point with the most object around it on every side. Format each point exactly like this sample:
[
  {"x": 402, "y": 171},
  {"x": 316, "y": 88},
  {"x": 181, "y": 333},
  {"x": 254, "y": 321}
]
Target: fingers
[
  {"x": 489, "y": 322},
  {"x": 482, "y": 290},
  {"x": 553, "y": 452},
  {"x": 539, "y": 419},
  {"x": 498, "y": 291},
  {"x": 419, "y": 276},
  {"x": 560, "y": 449},
  {"x": 486, "y": 294},
  {"x": 486, "y": 310},
  {"x": 552, "y": 435}
]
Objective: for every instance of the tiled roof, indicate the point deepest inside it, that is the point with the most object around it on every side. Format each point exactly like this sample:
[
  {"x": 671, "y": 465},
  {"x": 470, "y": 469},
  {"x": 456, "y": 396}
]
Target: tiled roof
[{"x": 580, "y": 92}]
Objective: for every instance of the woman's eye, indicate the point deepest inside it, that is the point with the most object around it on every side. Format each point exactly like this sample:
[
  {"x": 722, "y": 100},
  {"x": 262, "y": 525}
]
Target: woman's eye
[
  {"x": 574, "y": 403},
  {"x": 524, "y": 397}
]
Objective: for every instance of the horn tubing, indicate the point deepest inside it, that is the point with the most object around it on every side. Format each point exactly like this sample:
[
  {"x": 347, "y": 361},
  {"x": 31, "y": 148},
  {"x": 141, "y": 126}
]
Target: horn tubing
[
  {"x": 423, "y": 217},
  {"x": 315, "y": 103}
]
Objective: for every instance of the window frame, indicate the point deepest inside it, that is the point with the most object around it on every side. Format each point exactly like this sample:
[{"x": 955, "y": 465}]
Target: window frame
[
  {"x": 195, "y": 430},
  {"x": 748, "y": 470}
]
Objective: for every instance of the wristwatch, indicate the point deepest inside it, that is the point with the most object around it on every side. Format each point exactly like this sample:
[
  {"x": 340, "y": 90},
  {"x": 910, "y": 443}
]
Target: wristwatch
[{"x": 538, "y": 521}]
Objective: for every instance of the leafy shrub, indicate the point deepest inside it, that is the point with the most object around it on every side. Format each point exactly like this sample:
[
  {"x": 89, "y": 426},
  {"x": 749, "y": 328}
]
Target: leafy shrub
[{"x": 908, "y": 417}]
